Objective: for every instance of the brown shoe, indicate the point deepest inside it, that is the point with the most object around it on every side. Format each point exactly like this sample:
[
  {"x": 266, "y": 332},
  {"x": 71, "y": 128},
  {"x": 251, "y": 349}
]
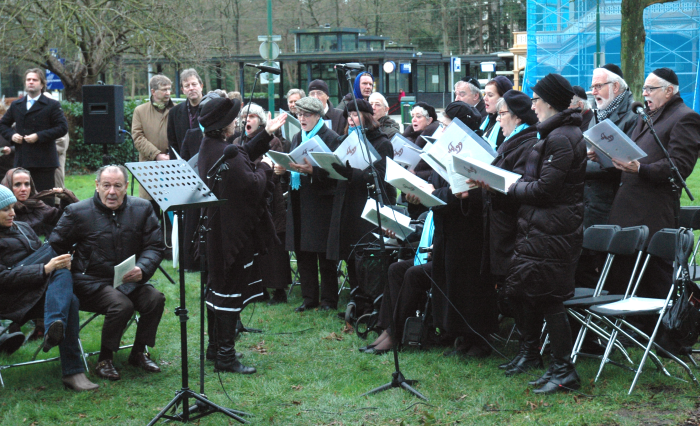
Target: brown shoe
[
  {"x": 79, "y": 382},
  {"x": 106, "y": 370},
  {"x": 54, "y": 335},
  {"x": 142, "y": 360}
]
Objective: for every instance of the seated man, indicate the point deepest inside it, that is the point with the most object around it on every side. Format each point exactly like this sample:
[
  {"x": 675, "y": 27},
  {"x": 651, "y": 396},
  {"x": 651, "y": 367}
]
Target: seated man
[{"x": 106, "y": 230}]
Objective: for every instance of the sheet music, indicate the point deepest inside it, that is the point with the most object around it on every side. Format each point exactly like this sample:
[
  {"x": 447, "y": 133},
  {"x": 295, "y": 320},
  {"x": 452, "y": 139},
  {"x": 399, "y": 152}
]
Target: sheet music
[
  {"x": 406, "y": 181},
  {"x": 609, "y": 141},
  {"x": 497, "y": 178},
  {"x": 398, "y": 223},
  {"x": 121, "y": 270},
  {"x": 406, "y": 152}
]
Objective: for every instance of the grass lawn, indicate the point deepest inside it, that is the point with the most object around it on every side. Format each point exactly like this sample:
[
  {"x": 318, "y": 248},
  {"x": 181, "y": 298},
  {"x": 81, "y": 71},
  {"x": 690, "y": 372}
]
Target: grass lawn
[{"x": 310, "y": 373}]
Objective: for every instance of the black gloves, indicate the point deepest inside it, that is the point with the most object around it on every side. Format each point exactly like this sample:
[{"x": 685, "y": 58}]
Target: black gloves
[{"x": 344, "y": 171}]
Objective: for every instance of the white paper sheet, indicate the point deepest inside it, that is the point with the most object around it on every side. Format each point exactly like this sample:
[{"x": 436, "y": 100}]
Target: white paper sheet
[
  {"x": 121, "y": 270},
  {"x": 398, "y": 223},
  {"x": 497, "y": 178},
  {"x": 406, "y": 181}
]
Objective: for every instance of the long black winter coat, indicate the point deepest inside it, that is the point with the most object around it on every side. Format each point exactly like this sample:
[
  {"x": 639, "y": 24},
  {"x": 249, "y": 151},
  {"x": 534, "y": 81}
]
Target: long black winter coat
[
  {"x": 501, "y": 211},
  {"x": 647, "y": 198},
  {"x": 347, "y": 227},
  {"x": 457, "y": 257},
  {"x": 550, "y": 218},
  {"x": 21, "y": 287},
  {"x": 105, "y": 238},
  {"x": 310, "y": 207}
]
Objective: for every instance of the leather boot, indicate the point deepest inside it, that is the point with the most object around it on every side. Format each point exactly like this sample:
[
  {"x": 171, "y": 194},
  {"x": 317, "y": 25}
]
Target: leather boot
[
  {"x": 212, "y": 346},
  {"x": 563, "y": 374},
  {"x": 78, "y": 382},
  {"x": 510, "y": 364},
  {"x": 542, "y": 380},
  {"x": 226, "y": 356},
  {"x": 529, "y": 356}
]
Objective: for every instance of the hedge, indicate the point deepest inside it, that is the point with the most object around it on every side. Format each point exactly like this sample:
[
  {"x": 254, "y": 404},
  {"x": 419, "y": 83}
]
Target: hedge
[{"x": 83, "y": 158}]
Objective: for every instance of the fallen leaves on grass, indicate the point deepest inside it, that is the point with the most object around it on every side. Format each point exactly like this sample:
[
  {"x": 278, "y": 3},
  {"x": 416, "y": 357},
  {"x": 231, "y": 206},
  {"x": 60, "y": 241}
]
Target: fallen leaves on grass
[
  {"x": 260, "y": 348},
  {"x": 334, "y": 336},
  {"x": 297, "y": 387},
  {"x": 348, "y": 329}
]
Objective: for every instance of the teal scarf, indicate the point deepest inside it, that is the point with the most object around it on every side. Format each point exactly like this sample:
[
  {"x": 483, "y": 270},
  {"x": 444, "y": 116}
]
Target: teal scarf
[
  {"x": 495, "y": 130},
  {"x": 296, "y": 177},
  {"x": 517, "y": 130}
]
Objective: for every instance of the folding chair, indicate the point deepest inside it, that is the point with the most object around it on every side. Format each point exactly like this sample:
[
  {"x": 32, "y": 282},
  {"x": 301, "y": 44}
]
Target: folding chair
[
  {"x": 690, "y": 218},
  {"x": 295, "y": 273},
  {"x": 625, "y": 242},
  {"x": 667, "y": 244},
  {"x": 32, "y": 360}
]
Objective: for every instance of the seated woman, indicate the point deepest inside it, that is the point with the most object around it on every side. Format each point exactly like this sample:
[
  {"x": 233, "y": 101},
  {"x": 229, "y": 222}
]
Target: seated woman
[
  {"x": 29, "y": 207},
  {"x": 34, "y": 282}
]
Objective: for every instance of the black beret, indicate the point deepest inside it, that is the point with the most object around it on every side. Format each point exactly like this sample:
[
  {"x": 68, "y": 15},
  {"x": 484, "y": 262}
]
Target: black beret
[
  {"x": 667, "y": 74},
  {"x": 614, "y": 69},
  {"x": 466, "y": 113},
  {"x": 555, "y": 90},
  {"x": 319, "y": 85},
  {"x": 521, "y": 105},
  {"x": 502, "y": 84},
  {"x": 362, "y": 104},
  {"x": 431, "y": 111},
  {"x": 580, "y": 92}
]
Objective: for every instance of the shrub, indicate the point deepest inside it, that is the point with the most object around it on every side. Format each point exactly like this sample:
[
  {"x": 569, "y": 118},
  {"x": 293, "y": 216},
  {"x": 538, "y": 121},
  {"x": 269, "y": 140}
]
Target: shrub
[{"x": 84, "y": 158}]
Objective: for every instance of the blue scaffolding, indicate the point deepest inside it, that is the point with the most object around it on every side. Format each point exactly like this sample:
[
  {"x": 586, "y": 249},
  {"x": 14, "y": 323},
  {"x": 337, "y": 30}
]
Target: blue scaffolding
[{"x": 561, "y": 38}]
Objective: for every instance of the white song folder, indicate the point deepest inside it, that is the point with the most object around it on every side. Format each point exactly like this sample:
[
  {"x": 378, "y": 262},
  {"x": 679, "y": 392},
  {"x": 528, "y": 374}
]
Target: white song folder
[
  {"x": 611, "y": 143},
  {"x": 497, "y": 178},
  {"x": 407, "y": 182},
  {"x": 394, "y": 221}
]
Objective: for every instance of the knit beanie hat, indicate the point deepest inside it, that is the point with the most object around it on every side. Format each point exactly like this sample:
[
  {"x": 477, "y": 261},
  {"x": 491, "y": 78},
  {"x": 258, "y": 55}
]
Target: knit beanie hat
[
  {"x": 309, "y": 104},
  {"x": 362, "y": 104},
  {"x": 431, "y": 111},
  {"x": 555, "y": 90},
  {"x": 319, "y": 85},
  {"x": 667, "y": 74},
  {"x": 255, "y": 109},
  {"x": 521, "y": 105},
  {"x": 502, "y": 84},
  {"x": 6, "y": 197},
  {"x": 466, "y": 113}
]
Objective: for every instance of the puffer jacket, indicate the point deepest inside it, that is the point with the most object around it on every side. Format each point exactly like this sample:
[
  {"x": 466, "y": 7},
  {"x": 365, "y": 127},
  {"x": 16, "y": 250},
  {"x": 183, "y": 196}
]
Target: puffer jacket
[
  {"x": 550, "y": 218},
  {"x": 105, "y": 238},
  {"x": 20, "y": 287}
]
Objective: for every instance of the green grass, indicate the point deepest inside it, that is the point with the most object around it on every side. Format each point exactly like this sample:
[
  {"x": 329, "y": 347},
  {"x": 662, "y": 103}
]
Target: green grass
[{"x": 310, "y": 373}]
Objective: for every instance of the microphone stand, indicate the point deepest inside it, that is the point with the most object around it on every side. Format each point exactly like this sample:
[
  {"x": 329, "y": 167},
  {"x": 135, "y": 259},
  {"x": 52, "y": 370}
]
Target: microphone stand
[
  {"x": 397, "y": 378},
  {"x": 676, "y": 180}
]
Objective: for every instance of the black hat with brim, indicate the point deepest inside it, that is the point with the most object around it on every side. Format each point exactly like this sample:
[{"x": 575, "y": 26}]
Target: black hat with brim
[{"x": 218, "y": 113}]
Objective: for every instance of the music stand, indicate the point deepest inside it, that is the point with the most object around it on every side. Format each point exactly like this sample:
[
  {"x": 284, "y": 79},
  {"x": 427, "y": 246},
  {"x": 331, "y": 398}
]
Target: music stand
[{"x": 176, "y": 187}]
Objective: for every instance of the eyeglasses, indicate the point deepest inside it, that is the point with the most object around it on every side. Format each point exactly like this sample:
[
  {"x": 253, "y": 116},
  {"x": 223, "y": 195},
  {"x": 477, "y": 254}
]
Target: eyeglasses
[
  {"x": 165, "y": 89},
  {"x": 500, "y": 113},
  {"x": 304, "y": 114},
  {"x": 650, "y": 89},
  {"x": 534, "y": 100},
  {"x": 599, "y": 86}
]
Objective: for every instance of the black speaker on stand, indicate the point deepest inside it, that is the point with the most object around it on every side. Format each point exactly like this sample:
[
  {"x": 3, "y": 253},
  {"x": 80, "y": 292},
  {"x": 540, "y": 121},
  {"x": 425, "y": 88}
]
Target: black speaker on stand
[{"x": 103, "y": 117}]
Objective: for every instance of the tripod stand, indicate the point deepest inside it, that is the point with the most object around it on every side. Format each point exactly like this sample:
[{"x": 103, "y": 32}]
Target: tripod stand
[
  {"x": 397, "y": 377},
  {"x": 175, "y": 187}
]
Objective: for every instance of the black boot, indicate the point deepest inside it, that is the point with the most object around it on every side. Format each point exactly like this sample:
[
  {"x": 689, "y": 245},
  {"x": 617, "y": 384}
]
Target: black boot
[
  {"x": 542, "y": 380},
  {"x": 563, "y": 374},
  {"x": 213, "y": 346},
  {"x": 226, "y": 356},
  {"x": 279, "y": 296},
  {"x": 529, "y": 357},
  {"x": 510, "y": 364}
]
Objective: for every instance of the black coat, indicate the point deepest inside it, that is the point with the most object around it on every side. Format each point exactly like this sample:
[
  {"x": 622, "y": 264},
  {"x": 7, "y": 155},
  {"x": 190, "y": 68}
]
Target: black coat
[
  {"x": 648, "y": 198},
  {"x": 602, "y": 184},
  {"x": 178, "y": 125},
  {"x": 550, "y": 217},
  {"x": 338, "y": 120},
  {"x": 347, "y": 227},
  {"x": 457, "y": 258},
  {"x": 21, "y": 287},
  {"x": 105, "y": 238},
  {"x": 46, "y": 119},
  {"x": 309, "y": 208},
  {"x": 481, "y": 107},
  {"x": 501, "y": 211}
]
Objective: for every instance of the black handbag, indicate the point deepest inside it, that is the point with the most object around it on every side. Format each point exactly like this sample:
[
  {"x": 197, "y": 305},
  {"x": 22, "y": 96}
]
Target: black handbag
[{"x": 44, "y": 254}]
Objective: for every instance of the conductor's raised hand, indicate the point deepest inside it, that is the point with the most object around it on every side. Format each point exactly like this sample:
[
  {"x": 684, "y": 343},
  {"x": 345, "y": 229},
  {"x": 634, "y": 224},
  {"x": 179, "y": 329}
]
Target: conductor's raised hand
[{"x": 273, "y": 125}]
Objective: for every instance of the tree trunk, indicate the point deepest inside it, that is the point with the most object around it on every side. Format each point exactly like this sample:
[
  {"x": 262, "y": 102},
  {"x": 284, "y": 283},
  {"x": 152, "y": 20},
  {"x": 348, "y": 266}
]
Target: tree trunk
[
  {"x": 633, "y": 37},
  {"x": 445, "y": 22}
]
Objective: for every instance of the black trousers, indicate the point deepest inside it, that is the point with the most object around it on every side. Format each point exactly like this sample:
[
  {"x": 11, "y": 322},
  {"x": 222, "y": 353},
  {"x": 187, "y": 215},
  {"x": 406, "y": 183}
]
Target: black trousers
[
  {"x": 118, "y": 309},
  {"x": 308, "y": 265},
  {"x": 404, "y": 294}
]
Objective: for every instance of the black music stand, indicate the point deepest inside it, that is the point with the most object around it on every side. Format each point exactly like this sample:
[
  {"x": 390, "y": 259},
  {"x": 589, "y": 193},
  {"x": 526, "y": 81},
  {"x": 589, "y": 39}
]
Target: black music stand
[{"x": 176, "y": 187}]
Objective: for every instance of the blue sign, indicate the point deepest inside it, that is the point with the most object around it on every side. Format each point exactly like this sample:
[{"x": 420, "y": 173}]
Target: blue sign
[
  {"x": 53, "y": 82},
  {"x": 405, "y": 68},
  {"x": 456, "y": 64}
]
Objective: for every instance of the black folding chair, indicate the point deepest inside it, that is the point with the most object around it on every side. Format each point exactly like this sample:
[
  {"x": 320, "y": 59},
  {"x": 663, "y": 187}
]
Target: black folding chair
[
  {"x": 667, "y": 244},
  {"x": 690, "y": 218}
]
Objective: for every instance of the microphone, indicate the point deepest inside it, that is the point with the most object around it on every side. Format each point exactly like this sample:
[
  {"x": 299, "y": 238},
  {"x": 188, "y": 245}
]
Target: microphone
[
  {"x": 230, "y": 152},
  {"x": 350, "y": 66},
  {"x": 271, "y": 70},
  {"x": 638, "y": 108}
]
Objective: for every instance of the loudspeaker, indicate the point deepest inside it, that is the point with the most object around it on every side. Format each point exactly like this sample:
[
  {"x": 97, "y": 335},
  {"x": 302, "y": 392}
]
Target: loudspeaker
[{"x": 103, "y": 114}]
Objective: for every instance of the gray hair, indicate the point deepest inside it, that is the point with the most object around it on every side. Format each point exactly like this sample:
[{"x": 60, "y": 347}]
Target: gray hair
[
  {"x": 586, "y": 105},
  {"x": 473, "y": 89},
  {"x": 255, "y": 109},
  {"x": 381, "y": 98},
  {"x": 422, "y": 111},
  {"x": 614, "y": 78},
  {"x": 665, "y": 84},
  {"x": 500, "y": 104},
  {"x": 159, "y": 80},
  {"x": 119, "y": 167},
  {"x": 190, "y": 72},
  {"x": 296, "y": 92}
]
